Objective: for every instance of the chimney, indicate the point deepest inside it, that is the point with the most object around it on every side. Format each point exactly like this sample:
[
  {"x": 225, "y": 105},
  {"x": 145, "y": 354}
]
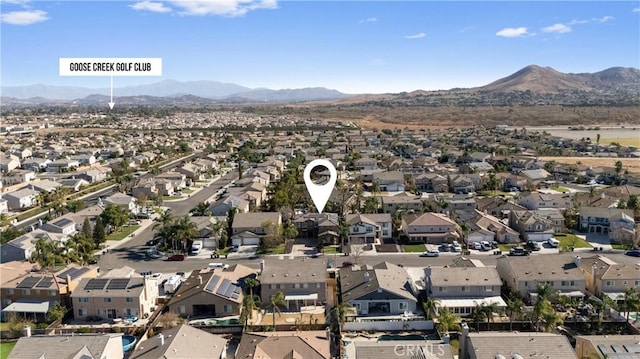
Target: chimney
[
  {"x": 367, "y": 277},
  {"x": 145, "y": 284},
  {"x": 262, "y": 266},
  {"x": 199, "y": 280},
  {"x": 463, "y": 341},
  {"x": 577, "y": 260},
  {"x": 159, "y": 340},
  {"x": 27, "y": 331}
]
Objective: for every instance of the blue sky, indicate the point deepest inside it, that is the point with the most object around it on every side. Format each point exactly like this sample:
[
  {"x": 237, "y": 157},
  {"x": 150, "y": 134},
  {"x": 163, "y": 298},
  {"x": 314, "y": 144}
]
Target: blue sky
[{"x": 354, "y": 47}]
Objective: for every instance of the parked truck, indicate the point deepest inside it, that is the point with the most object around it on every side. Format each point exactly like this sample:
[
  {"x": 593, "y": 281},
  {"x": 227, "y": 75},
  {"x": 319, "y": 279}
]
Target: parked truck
[{"x": 172, "y": 284}]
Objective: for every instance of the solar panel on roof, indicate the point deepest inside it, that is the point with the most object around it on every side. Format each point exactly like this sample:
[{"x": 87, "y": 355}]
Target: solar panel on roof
[
  {"x": 212, "y": 283},
  {"x": 28, "y": 282},
  {"x": 79, "y": 272},
  {"x": 118, "y": 283},
  {"x": 63, "y": 222},
  {"x": 45, "y": 283},
  {"x": 230, "y": 291},
  {"x": 224, "y": 287},
  {"x": 67, "y": 272},
  {"x": 96, "y": 284}
]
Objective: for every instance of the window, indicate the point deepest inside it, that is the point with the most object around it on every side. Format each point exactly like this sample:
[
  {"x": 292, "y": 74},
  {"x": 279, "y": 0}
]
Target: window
[
  {"x": 403, "y": 306},
  {"x": 83, "y": 300},
  {"x": 82, "y": 312},
  {"x": 488, "y": 288},
  {"x": 130, "y": 299},
  {"x": 107, "y": 300},
  {"x": 317, "y": 285},
  {"x": 26, "y": 292},
  {"x": 610, "y": 283},
  {"x": 181, "y": 309},
  {"x": 572, "y": 283},
  {"x": 228, "y": 308},
  {"x": 624, "y": 282},
  {"x": 563, "y": 283},
  {"x": 442, "y": 289},
  {"x": 305, "y": 285},
  {"x": 272, "y": 286},
  {"x": 52, "y": 293},
  {"x": 637, "y": 283},
  {"x": 356, "y": 229},
  {"x": 10, "y": 291},
  {"x": 526, "y": 284},
  {"x": 463, "y": 288}
]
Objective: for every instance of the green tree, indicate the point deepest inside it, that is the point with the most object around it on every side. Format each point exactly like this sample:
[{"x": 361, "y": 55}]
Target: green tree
[
  {"x": 56, "y": 312},
  {"x": 45, "y": 253},
  {"x": 289, "y": 231},
  {"x": 447, "y": 321},
  {"x": 276, "y": 302},
  {"x": 9, "y": 233},
  {"x": 115, "y": 216},
  {"x": 86, "y": 228},
  {"x": 249, "y": 304},
  {"x": 542, "y": 304},
  {"x": 618, "y": 167},
  {"x": 185, "y": 231},
  {"x": 514, "y": 309},
  {"x": 99, "y": 233},
  {"x": 340, "y": 311},
  {"x": 219, "y": 230},
  {"x": 430, "y": 305},
  {"x": 478, "y": 315},
  {"x": 75, "y": 205}
]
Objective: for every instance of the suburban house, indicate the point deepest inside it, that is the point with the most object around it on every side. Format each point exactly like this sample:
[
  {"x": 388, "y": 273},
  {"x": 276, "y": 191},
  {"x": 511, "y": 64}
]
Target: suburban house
[
  {"x": 513, "y": 345},
  {"x": 178, "y": 180},
  {"x": 531, "y": 225},
  {"x": 4, "y": 207},
  {"x": 310, "y": 225},
  {"x": 382, "y": 349},
  {"x": 122, "y": 200},
  {"x": 562, "y": 273},
  {"x": 368, "y": 228},
  {"x": 211, "y": 292},
  {"x": 302, "y": 280},
  {"x": 462, "y": 184},
  {"x": 607, "y": 346},
  {"x": 434, "y": 228},
  {"x": 115, "y": 297},
  {"x": 611, "y": 221},
  {"x": 379, "y": 290},
  {"x": 365, "y": 164},
  {"x": 307, "y": 344},
  {"x": 74, "y": 184},
  {"x": 85, "y": 346},
  {"x": 392, "y": 204},
  {"x": 392, "y": 181},
  {"x": 32, "y": 294},
  {"x": 9, "y": 163},
  {"x": 535, "y": 177},
  {"x": 461, "y": 289},
  {"x": 21, "y": 199},
  {"x": 606, "y": 277},
  {"x": 254, "y": 225},
  {"x": 204, "y": 226},
  {"x": 222, "y": 207},
  {"x": 93, "y": 175},
  {"x": 432, "y": 182},
  {"x": 485, "y": 227},
  {"x": 183, "y": 341},
  {"x": 537, "y": 200},
  {"x": 16, "y": 177},
  {"x": 62, "y": 225},
  {"x": 21, "y": 248}
]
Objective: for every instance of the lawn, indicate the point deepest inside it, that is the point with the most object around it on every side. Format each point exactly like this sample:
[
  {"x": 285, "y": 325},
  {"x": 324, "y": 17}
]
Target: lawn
[
  {"x": 187, "y": 191},
  {"x": 5, "y": 349},
  {"x": 122, "y": 233},
  {"x": 330, "y": 249},
  {"x": 571, "y": 240},
  {"x": 505, "y": 248},
  {"x": 415, "y": 248},
  {"x": 621, "y": 246},
  {"x": 169, "y": 198},
  {"x": 493, "y": 193},
  {"x": 561, "y": 189},
  {"x": 279, "y": 249}
]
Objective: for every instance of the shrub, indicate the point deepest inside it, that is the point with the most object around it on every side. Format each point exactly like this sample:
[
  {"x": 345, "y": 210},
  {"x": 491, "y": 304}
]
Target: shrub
[{"x": 84, "y": 330}]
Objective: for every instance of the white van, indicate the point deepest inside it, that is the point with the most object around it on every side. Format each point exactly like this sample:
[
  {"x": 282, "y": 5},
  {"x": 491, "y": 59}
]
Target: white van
[
  {"x": 553, "y": 242},
  {"x": 196, "y": 247},
  {"x": 218, "y": 265}
]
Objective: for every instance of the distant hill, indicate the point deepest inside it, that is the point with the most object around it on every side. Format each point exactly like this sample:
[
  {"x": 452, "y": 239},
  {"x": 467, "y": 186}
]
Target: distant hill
[
  {"x": 547, "y": 80},
  {"x": 173, "y": 89}
]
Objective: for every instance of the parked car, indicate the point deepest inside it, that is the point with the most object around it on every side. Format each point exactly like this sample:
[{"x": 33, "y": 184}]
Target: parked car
[
  {"x": 347, "y": 264},
  {"x": 533, "y": 245},
  {"x": 456, "y": 248},
  {"x": 519, "y": 251},
  {"x": 633, "y": 253},
  {"x": 153, "y": 242},
  {"x": 176, "y": 257},
  {"x": 235, "y": 248},
  {"x": 430, "y": 253},
  {"x": 553, "y": 242},
  {"x": 156, "y": 276},
  {"x": 484, "y": 246}
]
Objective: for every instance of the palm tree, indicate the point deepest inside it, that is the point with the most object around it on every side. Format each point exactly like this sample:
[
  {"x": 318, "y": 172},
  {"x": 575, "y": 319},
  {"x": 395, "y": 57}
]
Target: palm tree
[
  {"x": 551, "y": 320},
  {"x": 185, "y": 231},
  {"x": 631, "y": 300},
  {"x": 340, "y": 311},
  {"x": 447, "y": 321},
  {"x": 429, "y": 306},
  {"x": 514, "y": 309},
  {"x": 249, "y": 304},
  {"x": 277, "y": 300},
  {"x": 478, "y": 314},
  {"x": 251, "y": 283},
  {"x": 542, "y": 304},
  {"x": 219, "y": 230},
  {"x": 489, "y": 310}
]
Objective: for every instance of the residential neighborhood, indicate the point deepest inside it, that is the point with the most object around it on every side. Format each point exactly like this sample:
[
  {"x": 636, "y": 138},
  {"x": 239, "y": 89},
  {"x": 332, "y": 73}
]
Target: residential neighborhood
[{"x": 464, "y": 243}]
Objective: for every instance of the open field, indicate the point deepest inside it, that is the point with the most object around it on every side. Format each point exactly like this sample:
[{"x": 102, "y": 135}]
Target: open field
[
  {"x": 635, "y": 142},
  {"x": 631, "y": 164}
]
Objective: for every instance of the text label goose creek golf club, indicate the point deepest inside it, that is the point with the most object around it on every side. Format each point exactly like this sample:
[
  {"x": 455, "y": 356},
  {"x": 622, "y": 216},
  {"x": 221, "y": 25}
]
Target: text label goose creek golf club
[{"x": 110, "y": 67}]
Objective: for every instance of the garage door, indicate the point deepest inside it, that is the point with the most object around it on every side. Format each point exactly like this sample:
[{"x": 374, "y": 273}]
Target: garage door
[{"x": 246, "y": 241}]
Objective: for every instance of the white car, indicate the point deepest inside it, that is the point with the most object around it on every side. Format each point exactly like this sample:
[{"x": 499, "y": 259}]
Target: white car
[
  {"x": 430, "y": 253},
  {"x": 553, "y": 242},
  {"x": 156, "y": 276}
]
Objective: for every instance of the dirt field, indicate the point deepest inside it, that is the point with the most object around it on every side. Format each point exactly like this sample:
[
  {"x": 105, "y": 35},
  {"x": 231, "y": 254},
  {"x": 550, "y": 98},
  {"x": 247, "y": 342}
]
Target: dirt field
[{"x": 632, "y": 164}]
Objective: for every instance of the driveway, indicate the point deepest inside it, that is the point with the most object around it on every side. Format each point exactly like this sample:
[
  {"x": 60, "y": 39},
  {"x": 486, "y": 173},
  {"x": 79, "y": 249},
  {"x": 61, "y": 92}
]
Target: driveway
[{"x": 597, "y": 240}]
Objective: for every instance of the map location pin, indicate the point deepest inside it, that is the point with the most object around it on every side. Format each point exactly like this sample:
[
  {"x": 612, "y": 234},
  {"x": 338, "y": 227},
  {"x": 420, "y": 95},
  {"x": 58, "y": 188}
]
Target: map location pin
[{"x": 320, "y": 193}]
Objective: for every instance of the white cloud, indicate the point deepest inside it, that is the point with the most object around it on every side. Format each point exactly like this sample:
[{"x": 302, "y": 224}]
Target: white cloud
[
  {"x": 370, "y": 19},
  {"x": 222, "y": 7},
  {"x": 578, "y": 22},
  {"x": 150, "y": 6},
  {"x": 24, "y": 17},
  {"x": 602, "y": 19},
  {"x": 416, "y": 36},
  {"x": 557, "y": 29},
  {"x": 513, "y": 32},
  {"x": 636, "y": 9}
]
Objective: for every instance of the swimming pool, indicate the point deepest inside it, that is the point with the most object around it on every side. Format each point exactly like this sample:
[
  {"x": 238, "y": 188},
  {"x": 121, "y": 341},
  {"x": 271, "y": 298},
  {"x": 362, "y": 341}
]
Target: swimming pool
[
  {"x": 390, "y": 337},
  {"x": 128, "y": 341}
]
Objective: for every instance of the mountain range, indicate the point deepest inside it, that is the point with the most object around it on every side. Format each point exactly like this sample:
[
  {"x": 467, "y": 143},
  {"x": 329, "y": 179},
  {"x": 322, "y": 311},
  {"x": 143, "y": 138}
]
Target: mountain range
[{"x": 533, "y": 78}]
